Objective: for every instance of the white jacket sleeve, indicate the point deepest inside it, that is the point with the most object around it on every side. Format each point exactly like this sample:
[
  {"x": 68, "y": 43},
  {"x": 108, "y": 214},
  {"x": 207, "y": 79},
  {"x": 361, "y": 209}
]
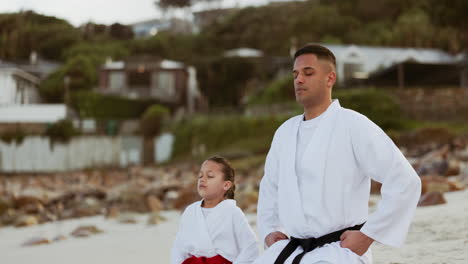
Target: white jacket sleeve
[
  {"x": 177, "y": 253},
  {"x": 245, "y": 239},
  {"x": 267, "y": 207},
  {"x": 380, "y": 159}
]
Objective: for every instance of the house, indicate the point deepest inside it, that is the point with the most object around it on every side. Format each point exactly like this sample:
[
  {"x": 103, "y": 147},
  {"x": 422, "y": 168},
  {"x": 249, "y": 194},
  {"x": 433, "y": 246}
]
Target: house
[
  {"x": 169, "y": 82},
  {"x": 149, "y": 28},
  {"x": 20, "y": 103},
  {"x": 411, "y": 73},
  {"x": 17, "y": 86},
  {"x": 356, "y": 63},
  {"x": 244, "y": 53}
]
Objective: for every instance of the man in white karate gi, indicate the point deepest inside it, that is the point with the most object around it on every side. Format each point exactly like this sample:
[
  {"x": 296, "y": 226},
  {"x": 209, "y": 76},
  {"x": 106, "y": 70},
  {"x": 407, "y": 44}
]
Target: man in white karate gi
[{"x": 313, "y": 201}]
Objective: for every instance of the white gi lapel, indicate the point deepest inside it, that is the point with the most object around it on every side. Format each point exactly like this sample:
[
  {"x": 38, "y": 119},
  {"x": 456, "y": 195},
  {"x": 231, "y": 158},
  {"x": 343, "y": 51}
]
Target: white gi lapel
[
  {"x": 290, "y": 201},
  {"x": 205, "y": 243},
  {"x": 317, "y": 148}
]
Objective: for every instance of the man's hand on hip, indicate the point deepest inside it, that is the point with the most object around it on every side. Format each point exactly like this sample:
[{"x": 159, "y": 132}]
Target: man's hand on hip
[
  {"x": 274, "y": 237},
  {"x": 356, "y": 241}
]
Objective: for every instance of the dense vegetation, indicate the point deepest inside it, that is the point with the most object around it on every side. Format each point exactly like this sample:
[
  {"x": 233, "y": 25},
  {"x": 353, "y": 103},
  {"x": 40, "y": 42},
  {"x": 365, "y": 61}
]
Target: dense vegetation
[
  {"x": 272, "y": 29},
  {"x": 226, "y": 81}
]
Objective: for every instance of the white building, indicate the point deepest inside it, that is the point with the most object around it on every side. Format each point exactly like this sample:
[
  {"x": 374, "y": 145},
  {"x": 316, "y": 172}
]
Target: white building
[
  {"x": 20, "y": 101},
  {"x": 17, "y": 87},
  {"x": 358, "y": 62}
]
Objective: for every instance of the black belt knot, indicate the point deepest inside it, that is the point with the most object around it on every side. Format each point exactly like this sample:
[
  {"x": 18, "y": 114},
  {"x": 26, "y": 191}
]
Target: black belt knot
[{"x": 309, "y": 244}]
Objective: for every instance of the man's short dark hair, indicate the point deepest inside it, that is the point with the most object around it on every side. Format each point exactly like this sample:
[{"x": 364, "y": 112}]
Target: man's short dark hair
[{"x": 320, "y": 51}]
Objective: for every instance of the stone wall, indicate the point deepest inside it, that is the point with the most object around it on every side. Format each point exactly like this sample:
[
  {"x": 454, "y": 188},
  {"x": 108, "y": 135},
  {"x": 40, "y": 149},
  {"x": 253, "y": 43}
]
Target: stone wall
[{"x": 447, "y": 104}]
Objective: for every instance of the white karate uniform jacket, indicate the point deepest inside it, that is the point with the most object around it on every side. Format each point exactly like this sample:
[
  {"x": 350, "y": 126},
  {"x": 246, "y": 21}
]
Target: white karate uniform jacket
[
  {"x": 225, "y": 231},
  {"x": 346, "y": 151}
]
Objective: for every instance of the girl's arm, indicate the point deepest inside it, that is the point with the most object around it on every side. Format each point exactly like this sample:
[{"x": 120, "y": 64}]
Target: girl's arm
[
  {"x": 177, "y": 253},
  {"x": 245, "y": 239}
]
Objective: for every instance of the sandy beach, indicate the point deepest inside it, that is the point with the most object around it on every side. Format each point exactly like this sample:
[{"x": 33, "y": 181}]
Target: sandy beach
[{"x": 438, "y": 234}]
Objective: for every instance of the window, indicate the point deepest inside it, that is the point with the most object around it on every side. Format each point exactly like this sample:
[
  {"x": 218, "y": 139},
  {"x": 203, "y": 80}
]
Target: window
[
  {"x": 163, "y": 84},
  {"x": 117, "y": 81}
]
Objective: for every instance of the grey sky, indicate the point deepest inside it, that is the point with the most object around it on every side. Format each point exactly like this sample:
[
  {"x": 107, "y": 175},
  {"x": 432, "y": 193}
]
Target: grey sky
[{"x": 100, "y": 11}]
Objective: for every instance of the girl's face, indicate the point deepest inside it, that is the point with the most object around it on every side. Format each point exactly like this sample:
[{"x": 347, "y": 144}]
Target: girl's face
[{"x": 211, "y": 183}]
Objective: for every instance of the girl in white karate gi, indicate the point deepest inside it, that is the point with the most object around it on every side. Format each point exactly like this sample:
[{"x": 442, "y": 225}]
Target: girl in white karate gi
[{"x": 214, "y": 230}]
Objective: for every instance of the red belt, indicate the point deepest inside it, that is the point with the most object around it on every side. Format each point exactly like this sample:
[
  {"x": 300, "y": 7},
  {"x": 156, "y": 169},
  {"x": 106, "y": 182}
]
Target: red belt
[{"x": 204, "y": 260}]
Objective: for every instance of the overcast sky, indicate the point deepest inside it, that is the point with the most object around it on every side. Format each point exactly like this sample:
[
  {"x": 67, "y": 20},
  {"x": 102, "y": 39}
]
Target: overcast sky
[{"x": 78, "y": 12}]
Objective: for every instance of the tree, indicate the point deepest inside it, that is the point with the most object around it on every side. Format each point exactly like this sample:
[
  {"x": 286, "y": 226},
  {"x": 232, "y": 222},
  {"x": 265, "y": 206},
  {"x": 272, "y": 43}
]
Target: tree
[
  {"x": 224, "y": 80},
  {"x": 82, "y": 76},
  {"x": 120, "y": 32},
  {"x": 24, "y": 32}
]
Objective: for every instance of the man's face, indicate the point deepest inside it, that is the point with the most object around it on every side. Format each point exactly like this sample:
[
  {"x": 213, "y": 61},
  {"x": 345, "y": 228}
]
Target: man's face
[{"x": 313, "y": 80}]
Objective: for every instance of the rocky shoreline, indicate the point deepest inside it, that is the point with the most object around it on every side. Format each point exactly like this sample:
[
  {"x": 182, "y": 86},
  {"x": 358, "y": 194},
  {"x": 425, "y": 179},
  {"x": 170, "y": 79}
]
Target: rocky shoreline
[{"x": 27, "y": 200}]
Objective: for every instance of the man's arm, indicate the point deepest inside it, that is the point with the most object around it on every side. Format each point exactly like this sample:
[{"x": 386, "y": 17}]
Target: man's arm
[
  {"x": 267, "y": 207},
  {"x": 381, "y": 160}
]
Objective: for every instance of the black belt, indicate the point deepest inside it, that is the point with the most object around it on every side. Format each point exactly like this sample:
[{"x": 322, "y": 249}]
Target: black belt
[{"x": 309, "y": 244}]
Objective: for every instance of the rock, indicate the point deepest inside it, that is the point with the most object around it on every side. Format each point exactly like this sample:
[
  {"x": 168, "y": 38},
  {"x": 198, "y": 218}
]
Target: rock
[
  {"x": 36, "y": 241},
  {"x": 247, "y": 199},
  {"x": 431, "y": 198},
  {"x": 4, "y": 205},
  {"x": 89, "y": 206},
  {"x": 8, "y": 217},
  {"x": 33, "y": 208},
  {"x": 85, "y": 231},
  {"x": 186, "y": 196},
  {"x": 112, "y": 212},
  {"x": 26, "y": 220},
  {"x": 29, "y": 204},
  {"x": 431, "y": 167},
  {"x": 453, "y": 168},
  {"x": 130, "y": 196},
  {"x": 375, "y": 187},
  {"x": 127, "y": 218},
  {"x": 455, "y": 186},
  {"x": 434, "y": 184},
  {"x": 155, "y": 218},
  {"x": 153, "y": 204},
  {"x": 59, "y": 238}
]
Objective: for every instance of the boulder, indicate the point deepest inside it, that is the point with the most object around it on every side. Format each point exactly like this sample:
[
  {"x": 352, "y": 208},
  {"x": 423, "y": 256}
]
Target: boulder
[
  {"x": 85, "y": 231},
  {"x": 153, "y": 203},
  {"x": 36, "y": 241},
  {"x": 432, "y": 198},
  {"x": 26, "y": 220}
]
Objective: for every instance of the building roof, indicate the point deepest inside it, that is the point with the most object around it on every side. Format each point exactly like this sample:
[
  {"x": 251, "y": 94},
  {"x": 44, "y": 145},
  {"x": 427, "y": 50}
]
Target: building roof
[
  {"x": 376, "y": 58},
  {"x": 19, "y": 73},
  {"x": 41, "y": 68},
  {"x": 162, "y": 64}
]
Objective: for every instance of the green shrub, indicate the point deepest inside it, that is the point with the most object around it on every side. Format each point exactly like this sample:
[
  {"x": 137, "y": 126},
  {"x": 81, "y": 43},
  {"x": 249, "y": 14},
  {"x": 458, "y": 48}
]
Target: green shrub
[
  {"x": 13, "y": 136},
  {"x": 61, "y": 131},
  {"x": 152, "y": 120},
  {"x": 377, "y": 105},
  {"x": 102, "y": 107},
  {"x": 81, "y": 73},
  {"x": 224, "y": 133},
  {"x": 224, "y": 80},
  {"x": 278, "y": 91}
]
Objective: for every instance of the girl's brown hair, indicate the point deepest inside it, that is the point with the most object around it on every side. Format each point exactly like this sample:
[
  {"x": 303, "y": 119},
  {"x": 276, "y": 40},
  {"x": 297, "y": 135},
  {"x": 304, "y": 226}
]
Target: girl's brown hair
[{"x": 229, "y": 174}]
